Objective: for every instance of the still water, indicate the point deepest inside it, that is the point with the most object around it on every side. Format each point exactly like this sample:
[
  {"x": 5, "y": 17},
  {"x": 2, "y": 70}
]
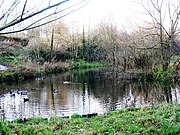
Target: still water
[{"x": 81, "y": 93}]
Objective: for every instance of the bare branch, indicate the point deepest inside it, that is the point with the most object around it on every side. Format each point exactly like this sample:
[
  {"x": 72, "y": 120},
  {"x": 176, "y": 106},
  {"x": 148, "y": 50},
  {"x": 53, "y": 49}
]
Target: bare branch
[
  {"x": 29, "y": 27},
  {"x": 42, "y": 20},
  {"x": 1, "y": 3},
  {"x": 23, "y": 9},
  {"x": 49, "y": 2},
  {"x": 19, "y": 16},
  {"x": 155, "y": 6},
  {"x": 57, "y": 12},
  {"x": 31, "y": 15},
  {"x": 10, "y": 10},
  {"x": 2, "y": 17},
  {"x": 156, "y": 19}
]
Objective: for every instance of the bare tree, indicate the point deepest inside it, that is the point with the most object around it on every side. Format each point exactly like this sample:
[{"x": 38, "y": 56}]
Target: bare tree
[
  {"x": 166, "y": 15},
  {"x": 108, "y": 33},
  {"x": 21, "y": 15}
]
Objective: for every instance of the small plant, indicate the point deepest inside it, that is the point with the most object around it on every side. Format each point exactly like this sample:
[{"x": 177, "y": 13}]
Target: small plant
[
  {"x": 76, "y": 116},
  {"x": 160, "y": 74},
  {"x": 4, "y": 127},
  {"x": 6, "y": 75}
]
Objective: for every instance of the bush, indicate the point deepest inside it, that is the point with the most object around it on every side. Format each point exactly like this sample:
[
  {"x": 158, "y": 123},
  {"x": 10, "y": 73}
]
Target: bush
[
  {"x": 160, "y": 74},
  {"x": 39, "y": 54}
]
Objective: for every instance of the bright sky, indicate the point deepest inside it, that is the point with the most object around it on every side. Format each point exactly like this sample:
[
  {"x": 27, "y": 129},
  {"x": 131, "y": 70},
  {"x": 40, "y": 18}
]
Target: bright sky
[{"x": 123, "y": 12}]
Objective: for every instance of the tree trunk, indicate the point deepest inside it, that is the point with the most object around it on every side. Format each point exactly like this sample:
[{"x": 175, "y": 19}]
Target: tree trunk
[{"x": 52, "y": 44}]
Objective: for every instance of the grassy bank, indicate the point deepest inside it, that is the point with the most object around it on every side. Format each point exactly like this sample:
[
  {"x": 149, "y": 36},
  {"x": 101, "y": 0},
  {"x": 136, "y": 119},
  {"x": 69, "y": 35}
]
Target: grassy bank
[
  {"x": 161, "y": 119},
  {"x": 16, "y": 73},
  {"x": 18, "y": 69}
]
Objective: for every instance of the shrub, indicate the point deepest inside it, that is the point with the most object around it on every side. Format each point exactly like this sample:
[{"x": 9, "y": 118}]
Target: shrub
[{"x": 160, "y": 74}]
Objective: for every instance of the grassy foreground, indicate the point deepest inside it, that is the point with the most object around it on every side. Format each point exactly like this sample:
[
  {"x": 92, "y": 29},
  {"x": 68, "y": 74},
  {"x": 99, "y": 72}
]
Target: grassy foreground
[{"x": 161, "y": 119}]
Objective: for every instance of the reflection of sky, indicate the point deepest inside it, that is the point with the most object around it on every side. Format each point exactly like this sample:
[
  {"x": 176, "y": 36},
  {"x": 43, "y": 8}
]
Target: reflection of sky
[
  {"x": 81, "y": 98},
  {"x": 15, "y": 107}
]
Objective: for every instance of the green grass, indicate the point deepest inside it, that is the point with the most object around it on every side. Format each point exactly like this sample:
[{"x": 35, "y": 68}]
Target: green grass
[
  {"x": 161, "y": 119},
  {"x": 81, "y": 64},
  {"x": 7, "y": 59}
]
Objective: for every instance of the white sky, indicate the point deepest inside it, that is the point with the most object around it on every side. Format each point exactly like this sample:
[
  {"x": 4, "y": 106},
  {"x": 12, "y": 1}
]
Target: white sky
[{"x": 123, "y": 12}]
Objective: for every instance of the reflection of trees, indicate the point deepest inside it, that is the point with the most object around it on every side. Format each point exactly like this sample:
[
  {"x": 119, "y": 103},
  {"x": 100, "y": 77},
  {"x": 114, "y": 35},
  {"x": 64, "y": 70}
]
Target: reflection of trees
[
  {"x": 89, "y": 91},
  {"x": 90, "y": 83},
  {"x": 113, "y": 92},
  {"x": 61, "y": 99},
  {"x": 151, "y": 94},
  {"x": 109, "y": 91}
]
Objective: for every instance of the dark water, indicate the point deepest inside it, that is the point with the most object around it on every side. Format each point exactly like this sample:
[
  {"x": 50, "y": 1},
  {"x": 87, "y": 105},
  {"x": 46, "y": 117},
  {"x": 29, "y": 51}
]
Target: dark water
[{"x": 80, "y": 93}]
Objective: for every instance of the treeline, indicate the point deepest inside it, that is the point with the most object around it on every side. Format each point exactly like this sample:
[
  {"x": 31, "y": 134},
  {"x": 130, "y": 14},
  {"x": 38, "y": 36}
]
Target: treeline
[
  {"x": 124, "y": 50},
  {"x": 152, "y": 46}
]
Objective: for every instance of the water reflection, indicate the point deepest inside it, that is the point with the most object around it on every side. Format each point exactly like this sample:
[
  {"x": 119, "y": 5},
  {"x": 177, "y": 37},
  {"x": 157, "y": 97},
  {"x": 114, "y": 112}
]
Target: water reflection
[{"x": 79, "y": 92}]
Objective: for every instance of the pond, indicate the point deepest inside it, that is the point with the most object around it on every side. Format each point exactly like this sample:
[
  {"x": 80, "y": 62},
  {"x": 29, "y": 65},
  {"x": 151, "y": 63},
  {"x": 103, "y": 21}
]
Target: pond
[{"x": 79, "y": 92}]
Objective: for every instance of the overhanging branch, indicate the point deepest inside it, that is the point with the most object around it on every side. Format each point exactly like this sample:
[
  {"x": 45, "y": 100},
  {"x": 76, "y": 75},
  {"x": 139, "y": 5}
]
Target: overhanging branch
[
  {"x": 31, "y": 15},
  {"x": 42, "y": 24}
]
